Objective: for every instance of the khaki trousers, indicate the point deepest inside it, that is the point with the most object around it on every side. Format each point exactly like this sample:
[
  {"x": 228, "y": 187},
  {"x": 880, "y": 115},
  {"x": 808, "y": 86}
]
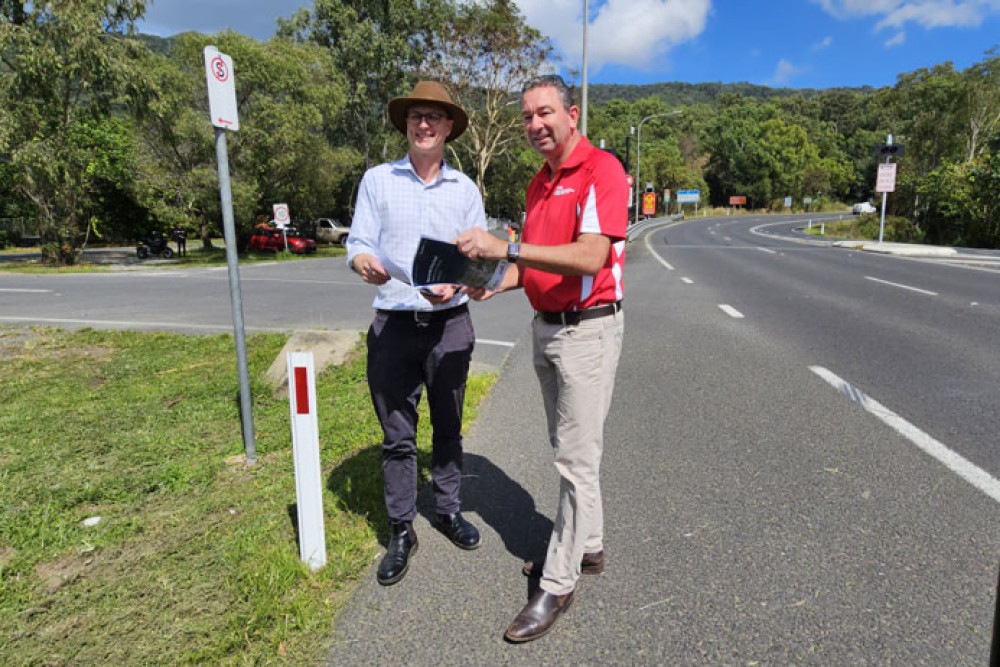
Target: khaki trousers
[{"x": 576, "y": 367}]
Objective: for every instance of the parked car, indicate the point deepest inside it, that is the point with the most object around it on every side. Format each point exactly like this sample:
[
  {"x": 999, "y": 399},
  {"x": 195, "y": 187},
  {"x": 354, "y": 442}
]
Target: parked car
[
  {"x": 331, "y": 231},
  {"x": 273, "y": 239},
  {"x": 863, "y": 207}
]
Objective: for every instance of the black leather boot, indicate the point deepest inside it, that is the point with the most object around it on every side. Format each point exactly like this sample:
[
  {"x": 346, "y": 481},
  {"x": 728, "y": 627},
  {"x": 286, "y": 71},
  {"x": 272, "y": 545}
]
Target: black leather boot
[
  {"x": 402, "y": 545},
  {"x": 461, "y": 533}
]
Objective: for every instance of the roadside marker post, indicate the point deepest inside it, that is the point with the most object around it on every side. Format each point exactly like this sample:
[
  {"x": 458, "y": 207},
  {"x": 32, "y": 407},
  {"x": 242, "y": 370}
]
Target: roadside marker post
[
  {"x": 305, "y": 455},
  {"x": 222, "y": 109}
]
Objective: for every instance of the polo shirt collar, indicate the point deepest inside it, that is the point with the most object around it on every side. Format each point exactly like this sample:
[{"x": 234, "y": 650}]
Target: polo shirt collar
[{"x": 579, "y": 154}]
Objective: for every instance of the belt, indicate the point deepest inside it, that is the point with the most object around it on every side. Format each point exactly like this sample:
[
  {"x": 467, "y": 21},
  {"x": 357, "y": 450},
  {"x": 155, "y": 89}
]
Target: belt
[
  {"x": 577, "y": 316},
  {"x": 426, "y": 316}
]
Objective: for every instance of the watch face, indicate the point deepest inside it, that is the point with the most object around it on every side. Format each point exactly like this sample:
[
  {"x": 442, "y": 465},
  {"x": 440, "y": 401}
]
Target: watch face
[{"x": 513, "y": 250}]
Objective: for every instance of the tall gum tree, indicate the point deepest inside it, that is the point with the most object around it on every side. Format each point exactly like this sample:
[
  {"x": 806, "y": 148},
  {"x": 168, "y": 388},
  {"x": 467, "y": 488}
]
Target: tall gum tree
[{"x": 486, "y": 54}]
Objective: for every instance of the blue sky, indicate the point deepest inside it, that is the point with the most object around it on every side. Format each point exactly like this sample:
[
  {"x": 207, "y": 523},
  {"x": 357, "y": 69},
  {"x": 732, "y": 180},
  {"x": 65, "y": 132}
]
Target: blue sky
[{"x": 793, "y": 43}]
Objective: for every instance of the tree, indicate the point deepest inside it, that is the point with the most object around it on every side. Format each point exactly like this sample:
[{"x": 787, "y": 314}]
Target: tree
[
  {"x": 67, "y": 64},
  {"x": 287, "y": 94},
  {"x": 981, "y": 104},
  {"x": 375, "y": 44},
  {"x": 485, "y": 55}
]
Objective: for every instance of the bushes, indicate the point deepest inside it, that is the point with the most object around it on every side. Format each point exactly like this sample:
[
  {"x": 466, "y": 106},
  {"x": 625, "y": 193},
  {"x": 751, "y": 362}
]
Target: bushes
[{"x": 897, "y": 229}]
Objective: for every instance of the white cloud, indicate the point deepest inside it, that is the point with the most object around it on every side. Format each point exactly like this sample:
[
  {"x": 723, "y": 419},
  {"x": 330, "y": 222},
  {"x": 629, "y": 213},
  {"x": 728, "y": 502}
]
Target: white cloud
[
  {"x": 784, "y": 72},
  {"x": 823, "y": 44},
  {"x": 896, "y": 40},
  {"x": 926, "y": 13},
  {"x": 634, "y": 33}
]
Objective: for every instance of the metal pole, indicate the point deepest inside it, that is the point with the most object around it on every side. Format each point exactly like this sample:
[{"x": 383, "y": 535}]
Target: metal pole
[
  {"x": 638, "y": 165},
  {"x": 881, "y": 226},
  {"x": 229, "y": 231},
  {"x": 638, "y": 157},
  {"x": 583, "y": 97}
]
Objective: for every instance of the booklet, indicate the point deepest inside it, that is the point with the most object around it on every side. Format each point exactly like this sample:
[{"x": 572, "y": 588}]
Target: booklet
[{"x": 440, "y": 262}]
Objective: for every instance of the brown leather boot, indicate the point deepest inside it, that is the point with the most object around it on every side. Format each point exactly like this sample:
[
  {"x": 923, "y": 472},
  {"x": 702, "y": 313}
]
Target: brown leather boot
[
  {"x": 538, "y": 616},
  {"x": 589, "y": 564}
]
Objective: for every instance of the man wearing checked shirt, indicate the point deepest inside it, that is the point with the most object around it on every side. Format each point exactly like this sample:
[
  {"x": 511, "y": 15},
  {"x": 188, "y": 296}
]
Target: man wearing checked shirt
[{"x": 418, "y": 338}]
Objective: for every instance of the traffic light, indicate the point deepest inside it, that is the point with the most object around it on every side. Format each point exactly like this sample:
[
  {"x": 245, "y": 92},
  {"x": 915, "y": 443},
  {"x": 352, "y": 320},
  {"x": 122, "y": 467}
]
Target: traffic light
[{"x": 889, "y": 150}]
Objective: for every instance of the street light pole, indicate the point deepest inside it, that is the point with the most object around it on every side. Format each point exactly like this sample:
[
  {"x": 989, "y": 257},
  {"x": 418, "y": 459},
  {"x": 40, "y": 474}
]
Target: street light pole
[
  {"x": 583, "y": 96},
  {"x": 638, "y": 156}
]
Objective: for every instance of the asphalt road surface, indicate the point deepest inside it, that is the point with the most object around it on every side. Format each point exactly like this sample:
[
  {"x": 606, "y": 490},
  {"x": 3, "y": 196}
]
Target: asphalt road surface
[
  {"x": 276, "y": 296},
  {"x": 756, "y": 513},
  {"x": 801, "y": 460}
]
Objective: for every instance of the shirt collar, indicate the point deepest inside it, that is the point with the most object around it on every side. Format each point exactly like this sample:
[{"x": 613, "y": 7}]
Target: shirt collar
[
  {"x": 447, "y": 173},
  {"x": 580, "y": 153}
]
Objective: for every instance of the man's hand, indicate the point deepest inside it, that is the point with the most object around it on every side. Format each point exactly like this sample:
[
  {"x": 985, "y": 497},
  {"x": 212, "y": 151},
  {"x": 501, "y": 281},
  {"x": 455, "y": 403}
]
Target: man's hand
[
  {"x": 370, "y": 269},
  {"x": 477, "y": 243},
  {"x": 478, "y": 293},
  {"x": 439, "y": 293}
]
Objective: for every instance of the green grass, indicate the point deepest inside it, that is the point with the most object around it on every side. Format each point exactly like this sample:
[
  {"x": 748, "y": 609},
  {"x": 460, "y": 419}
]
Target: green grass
[
  {"x": 865, "y": 227},
  {"x": 195, "y": 559}
]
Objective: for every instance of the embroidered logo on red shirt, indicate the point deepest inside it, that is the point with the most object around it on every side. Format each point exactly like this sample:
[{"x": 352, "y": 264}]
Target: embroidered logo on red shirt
[{"x": 560, "y": 190}]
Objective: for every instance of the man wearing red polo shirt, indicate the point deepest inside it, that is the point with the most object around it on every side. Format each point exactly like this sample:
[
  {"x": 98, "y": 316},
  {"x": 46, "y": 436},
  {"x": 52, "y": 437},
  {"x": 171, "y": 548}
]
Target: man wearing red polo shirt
[{"x": 569, "y": 262}]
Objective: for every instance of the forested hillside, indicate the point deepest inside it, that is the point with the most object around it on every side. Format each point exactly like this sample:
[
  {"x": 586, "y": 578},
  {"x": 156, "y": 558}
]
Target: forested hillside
[{"x": 112, "y": 139}]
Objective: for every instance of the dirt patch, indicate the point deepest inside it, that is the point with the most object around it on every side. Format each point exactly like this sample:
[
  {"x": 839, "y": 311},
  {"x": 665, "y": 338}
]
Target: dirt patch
[
  {"x": 66, "y": 570},
  {"x": 34, "y": 342},
  {"x": 6, "y": 556}
]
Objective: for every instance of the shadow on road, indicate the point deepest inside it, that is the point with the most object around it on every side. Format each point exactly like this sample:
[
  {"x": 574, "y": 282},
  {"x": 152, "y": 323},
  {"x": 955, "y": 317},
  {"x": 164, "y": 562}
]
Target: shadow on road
[{"x": 501, "y": 502}]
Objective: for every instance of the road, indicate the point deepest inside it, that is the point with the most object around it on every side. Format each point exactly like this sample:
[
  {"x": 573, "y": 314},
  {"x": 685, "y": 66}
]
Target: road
[
  {"x": 277, "y": 296},
  {"x": 801, "y": 462}
]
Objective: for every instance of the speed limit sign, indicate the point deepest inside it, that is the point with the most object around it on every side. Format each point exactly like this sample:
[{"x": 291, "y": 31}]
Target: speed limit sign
[{"x": 281, "y": 215}]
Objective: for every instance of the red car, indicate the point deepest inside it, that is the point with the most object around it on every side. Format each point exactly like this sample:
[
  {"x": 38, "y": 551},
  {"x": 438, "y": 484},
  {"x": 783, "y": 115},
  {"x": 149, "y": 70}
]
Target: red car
[{"x": 271, "y": 239}]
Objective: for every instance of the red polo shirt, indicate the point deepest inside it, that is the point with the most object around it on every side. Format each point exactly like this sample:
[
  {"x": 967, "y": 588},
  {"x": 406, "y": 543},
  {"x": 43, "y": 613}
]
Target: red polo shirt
[{"x": 588, "y": 195}]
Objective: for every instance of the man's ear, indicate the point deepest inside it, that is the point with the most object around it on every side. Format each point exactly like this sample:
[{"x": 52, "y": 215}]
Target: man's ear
[{"x": 574, "y": 115}]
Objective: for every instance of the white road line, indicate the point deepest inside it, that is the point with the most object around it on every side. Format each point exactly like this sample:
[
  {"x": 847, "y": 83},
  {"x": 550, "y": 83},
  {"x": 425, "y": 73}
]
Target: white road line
[
  {"x": 649, "y": 246},
  {"x": 912, "y": 289},
  {"x": 768, "y": 250},
  {"x": 961, "y": 466},
  {"x": 500, "y": 343},
  {"x": 687, "y": 281},
  {"x": 25, "y": 291},
  {"x": 732, "y": 312}
]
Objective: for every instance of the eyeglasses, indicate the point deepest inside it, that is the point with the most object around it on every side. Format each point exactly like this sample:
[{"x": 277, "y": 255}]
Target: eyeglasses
[{"x": 433, "y": 118}]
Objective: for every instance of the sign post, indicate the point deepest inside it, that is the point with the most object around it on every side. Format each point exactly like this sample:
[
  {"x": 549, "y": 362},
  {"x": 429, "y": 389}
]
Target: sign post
[
  {"x": 886, "y": 179},
  {"x": 305, "y": 455},
  {"x": 688, "y": 197},
  {"x": 649, "y": 203},
  {"x": 281, "y": 219},
  {"x": 222, "y": 108}
]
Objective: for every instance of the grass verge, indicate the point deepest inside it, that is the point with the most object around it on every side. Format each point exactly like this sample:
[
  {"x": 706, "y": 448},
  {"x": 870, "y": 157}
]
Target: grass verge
[
  {"x": 196, "y": 257},
  {"x": 195, "y": 558}
]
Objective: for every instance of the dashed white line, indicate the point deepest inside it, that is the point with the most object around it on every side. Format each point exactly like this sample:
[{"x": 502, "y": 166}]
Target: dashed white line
[
  {"x": 25, "y": 290},
  {"x": 767, "y": 250},
  {"x": 687, "y": 281},
  {"x": 961, "y": 466},
  {"x": 732, "y": 312},
  {"x": 912, "y": 289}
]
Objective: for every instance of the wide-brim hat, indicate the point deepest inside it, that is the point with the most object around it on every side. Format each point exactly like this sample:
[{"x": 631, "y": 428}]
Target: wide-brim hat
[{"x": 428, "y": 92}]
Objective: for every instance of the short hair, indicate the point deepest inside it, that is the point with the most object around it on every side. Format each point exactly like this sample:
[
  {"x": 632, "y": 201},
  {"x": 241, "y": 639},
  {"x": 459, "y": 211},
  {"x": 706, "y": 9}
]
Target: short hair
[{"x": 555, "y": 81}]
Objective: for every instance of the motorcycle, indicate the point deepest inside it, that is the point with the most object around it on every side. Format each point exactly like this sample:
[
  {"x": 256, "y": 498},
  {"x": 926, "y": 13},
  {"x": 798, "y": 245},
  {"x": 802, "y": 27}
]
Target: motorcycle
[{"x": 154, "y": 244}]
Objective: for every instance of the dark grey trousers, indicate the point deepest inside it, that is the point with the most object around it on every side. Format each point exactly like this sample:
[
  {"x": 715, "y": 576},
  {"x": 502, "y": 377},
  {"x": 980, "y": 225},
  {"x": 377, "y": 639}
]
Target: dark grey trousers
[{"x": 405, "y": 355}]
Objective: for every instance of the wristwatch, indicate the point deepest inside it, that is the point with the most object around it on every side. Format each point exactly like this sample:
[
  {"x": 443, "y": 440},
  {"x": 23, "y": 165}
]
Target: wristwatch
[{"x": 513, "y": 252}]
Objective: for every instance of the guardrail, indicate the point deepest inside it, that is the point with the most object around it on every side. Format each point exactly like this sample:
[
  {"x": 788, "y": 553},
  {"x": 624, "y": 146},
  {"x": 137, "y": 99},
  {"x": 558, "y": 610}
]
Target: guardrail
[{"x": 652, "y": 223}]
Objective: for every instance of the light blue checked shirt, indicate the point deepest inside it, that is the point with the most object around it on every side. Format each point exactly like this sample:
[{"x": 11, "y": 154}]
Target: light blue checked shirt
[{"x": 395, "y": 208}]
